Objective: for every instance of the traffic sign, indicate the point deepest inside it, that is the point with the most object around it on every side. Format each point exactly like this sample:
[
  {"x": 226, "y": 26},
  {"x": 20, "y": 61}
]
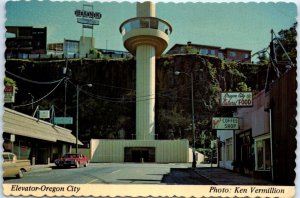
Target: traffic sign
[
  {"x": 63, "y": 120},
  {"x": 44, "y": 114}
]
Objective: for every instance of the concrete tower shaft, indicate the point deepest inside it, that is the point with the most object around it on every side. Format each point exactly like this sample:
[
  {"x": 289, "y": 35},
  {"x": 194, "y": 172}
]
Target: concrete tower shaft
[
  {"x": 145, "y": 9},
  {"x": 146, "y": 37}
]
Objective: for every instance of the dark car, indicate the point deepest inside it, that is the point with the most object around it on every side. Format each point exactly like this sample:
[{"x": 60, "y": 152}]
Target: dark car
[{"x": 68, "y": 160}]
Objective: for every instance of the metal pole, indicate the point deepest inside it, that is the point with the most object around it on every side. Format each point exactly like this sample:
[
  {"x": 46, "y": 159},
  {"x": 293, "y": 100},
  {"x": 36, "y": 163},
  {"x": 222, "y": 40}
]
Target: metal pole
[
  {"x": 77, "y": 114},
  {"x": 65, "y": 105},
  {"x": 193, "y": 122},
  {"x": 271, "y": 143}
]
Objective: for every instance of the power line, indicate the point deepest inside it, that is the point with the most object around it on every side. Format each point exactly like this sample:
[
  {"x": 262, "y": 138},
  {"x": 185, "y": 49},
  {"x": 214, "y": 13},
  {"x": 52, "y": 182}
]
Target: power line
[
  {"x": 131, "y": 99},
  {"x": 32, "y": 81},
  {"x": 40, "y": 98}
]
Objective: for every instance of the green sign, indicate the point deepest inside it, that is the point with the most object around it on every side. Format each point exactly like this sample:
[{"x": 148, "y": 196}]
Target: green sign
[
  {"x": 223, "y": 123},
  {"x": 63, "y": 120},
  {"x": 44, "y": 114}
]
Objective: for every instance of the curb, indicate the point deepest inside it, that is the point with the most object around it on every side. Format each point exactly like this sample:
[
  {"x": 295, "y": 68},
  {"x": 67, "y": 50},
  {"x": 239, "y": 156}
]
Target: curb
[
  {"x": 194, "y": 170},
  {"x": 39, "y": 170}
]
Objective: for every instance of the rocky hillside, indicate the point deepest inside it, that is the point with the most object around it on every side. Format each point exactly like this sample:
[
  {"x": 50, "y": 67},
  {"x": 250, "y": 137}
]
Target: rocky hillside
[{"x": 107, "y": 110}]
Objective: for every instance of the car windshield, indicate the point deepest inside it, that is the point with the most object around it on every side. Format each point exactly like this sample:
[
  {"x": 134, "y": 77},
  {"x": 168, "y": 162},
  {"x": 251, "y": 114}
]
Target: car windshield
[
  {"x": 71, "y": 155},
  {"x": 5, "y": 158}
]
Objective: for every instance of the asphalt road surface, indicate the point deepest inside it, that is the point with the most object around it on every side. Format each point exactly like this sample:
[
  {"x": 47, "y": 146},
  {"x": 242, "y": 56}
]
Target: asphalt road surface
[{"x": 107, "y": 173}]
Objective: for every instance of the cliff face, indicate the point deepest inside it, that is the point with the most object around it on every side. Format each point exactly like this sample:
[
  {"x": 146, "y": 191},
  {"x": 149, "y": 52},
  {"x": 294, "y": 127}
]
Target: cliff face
[{"x": 107, "y": 110}]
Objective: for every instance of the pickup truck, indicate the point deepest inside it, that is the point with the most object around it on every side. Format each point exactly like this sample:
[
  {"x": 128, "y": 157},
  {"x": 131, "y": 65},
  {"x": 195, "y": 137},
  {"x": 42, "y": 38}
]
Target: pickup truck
[{"x": 13, "y": 167}]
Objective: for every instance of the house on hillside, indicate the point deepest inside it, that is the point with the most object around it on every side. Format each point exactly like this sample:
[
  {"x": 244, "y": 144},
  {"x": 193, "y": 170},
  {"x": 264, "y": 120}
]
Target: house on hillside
[
  {"x": 228, "y": 54},
  {"x": 240, "y": 55},
  {"x": 195, "y": 48}
]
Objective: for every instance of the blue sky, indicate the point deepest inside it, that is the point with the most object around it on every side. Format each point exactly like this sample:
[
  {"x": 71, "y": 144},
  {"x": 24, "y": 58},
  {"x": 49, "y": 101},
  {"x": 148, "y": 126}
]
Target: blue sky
[{"x": 235, "y": 25}]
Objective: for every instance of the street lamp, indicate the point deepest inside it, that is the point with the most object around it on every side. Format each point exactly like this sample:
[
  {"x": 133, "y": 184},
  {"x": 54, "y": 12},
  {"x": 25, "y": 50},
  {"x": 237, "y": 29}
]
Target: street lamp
[
  {"x": 78, "y": 88},
  {"x": 193, "y": 115}
]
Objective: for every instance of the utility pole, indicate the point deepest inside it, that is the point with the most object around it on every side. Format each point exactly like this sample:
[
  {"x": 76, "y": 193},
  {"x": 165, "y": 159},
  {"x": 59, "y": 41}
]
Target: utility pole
[
  {"x": 193, "y": 115},
  {"x": 77, "y": 111}
]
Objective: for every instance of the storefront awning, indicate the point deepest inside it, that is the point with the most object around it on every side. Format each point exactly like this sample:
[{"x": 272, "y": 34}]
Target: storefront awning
[{"x": 20, "y": 124}]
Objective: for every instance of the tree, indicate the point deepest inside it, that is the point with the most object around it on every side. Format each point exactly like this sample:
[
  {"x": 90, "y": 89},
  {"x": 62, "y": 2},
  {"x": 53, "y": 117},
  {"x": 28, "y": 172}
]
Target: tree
[
  {"x": 287, "y": 38},
  {"x": 262, "y": 58},
  {"x": 10, "y": 82}
]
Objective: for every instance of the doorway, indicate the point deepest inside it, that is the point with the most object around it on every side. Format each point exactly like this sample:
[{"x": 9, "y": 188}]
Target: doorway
[{"x": 139, "y": 154}]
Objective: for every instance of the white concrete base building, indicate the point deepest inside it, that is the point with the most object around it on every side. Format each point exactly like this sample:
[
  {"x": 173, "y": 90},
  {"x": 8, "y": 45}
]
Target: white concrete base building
[{"x": 158, "y": 151}]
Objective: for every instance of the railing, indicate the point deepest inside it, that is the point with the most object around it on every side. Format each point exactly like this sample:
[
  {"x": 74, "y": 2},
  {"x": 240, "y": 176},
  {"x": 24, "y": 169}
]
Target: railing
[
  {"x": 60, "y": 56},
  {"x": 145, "y": 22}
]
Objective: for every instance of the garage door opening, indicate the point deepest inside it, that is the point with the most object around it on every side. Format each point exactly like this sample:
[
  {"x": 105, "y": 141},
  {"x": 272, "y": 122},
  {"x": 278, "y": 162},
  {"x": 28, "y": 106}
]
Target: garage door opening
[{"x": 139, "y": 154}]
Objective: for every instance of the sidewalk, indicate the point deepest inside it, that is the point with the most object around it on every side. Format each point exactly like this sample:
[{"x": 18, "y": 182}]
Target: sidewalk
[{"x": 221, "y": 176}]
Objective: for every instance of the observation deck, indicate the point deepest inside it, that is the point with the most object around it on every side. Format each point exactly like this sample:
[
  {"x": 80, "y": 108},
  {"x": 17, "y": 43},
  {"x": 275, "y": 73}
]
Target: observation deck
[{"x": 145, "y": 31}]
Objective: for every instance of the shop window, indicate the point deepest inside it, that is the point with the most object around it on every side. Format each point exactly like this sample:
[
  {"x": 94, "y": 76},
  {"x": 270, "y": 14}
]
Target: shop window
[
  {"x": 263, "y": 153},
  {"x": 213, "y": 52}
]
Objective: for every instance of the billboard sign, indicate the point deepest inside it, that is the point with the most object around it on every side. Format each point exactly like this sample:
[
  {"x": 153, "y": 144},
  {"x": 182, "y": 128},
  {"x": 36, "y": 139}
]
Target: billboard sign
[
  {"x": 88, "y": 17},
  {"x": 88, "y": 14},
  {"x": 9, "y": 94},
  {"x": 236, "y": 99},
  {"x": 225, "y": 123},
  {"x": 87, "y": 21},
  {"x": 63, "y": 120}
]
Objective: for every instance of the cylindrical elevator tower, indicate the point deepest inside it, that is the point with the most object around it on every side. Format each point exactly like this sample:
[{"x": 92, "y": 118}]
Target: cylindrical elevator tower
[{"x": 146, "y": 37}]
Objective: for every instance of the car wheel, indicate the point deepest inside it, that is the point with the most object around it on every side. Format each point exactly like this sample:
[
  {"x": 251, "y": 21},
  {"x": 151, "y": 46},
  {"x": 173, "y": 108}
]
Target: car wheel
[
  {"x": 77, "y": 164},
  {"x": 20, "y": 174}
]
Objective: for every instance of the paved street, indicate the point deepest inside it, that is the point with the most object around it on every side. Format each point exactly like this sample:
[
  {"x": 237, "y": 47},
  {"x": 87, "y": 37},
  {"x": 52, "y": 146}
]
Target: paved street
[
  {"x": 101, "y": 173},
  {"x": 131, "y": 173}
]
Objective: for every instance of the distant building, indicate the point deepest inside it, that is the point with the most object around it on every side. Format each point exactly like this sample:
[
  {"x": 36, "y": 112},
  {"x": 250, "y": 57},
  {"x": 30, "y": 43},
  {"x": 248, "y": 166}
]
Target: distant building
[
  {"x": 230, "y": 54},
  {"x": 24, "y": 40},
  {"x": 237, "y": 54},
  {"x": 115, "y": 53},
  {"x": 55, "y": 48},
  {"x": 195, "y": 48},
  {"x": 69, "y": 48}
]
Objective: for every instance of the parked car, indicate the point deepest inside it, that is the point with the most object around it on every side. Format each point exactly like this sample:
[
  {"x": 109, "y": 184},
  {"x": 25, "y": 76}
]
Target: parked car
[
  {"x": 13, "y": 167},
  {"x": 68, "y": 160}
]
